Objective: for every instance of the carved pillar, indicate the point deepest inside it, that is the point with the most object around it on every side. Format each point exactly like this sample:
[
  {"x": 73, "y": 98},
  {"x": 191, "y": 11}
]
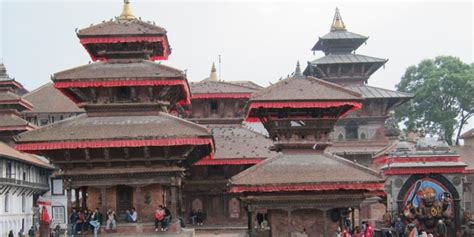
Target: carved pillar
[
  {"x": 289, "y": 229},
  {"x": 103, "y": 197},
  {"x": 76, "y": 201},
  {"x": 138, "y": 202},
  {"x": 325, "y": 219},
  {"x": 84, "y": 197},
  {"x": 249, "y": 220},
  {"x": 69, "y": 201}
]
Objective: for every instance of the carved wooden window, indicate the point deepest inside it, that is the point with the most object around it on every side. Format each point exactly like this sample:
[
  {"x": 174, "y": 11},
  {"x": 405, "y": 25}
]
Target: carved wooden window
[
  {"x": 214, "y": 107},
  {"x": 123, "y": 93},
  {"x": 352, "y": 130}
]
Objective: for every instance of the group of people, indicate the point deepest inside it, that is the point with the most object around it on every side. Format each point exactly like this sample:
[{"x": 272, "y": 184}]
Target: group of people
[
  {"x": 162, "y": 218},
  {"x": 366, "y": 230},
  {"x": 197, "y": 217},
  {"x": 441, "y": 229},
  {"x": 84, "y": 220}
]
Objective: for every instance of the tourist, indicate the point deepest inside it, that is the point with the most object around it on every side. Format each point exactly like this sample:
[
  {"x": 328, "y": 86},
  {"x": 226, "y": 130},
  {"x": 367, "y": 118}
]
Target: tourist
[
  {"x": 441, "y": 229},
  {"x": 87, "y": 218},
  {"x": 424, "y": 234},
  {"x": 10, "y": 234},
  {"x": 80, "y": 222},
  {"x": 159, "y": 218},
  {"x": 193, "y": 217},
  {"x": 111, "y": 220},
  {"x": 369, "y": 230},
  {"x": 199, "y": 217},
  {"x": 95, "y": 221},
  {"x": 167, "y": 219},
  {"x": 31, "y": 232},
  {"x": 338, "y": 233},
  {"x": 399, "y": 227},
  {"x": 132, "y": 215},
  {"x": 430, "y": 235},
  {"x": 73, "y": 222}
]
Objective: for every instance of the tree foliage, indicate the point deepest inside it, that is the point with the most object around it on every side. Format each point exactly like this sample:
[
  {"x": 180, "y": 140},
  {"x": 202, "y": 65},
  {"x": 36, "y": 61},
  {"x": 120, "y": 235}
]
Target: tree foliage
[{"x": 444, "y": 96}]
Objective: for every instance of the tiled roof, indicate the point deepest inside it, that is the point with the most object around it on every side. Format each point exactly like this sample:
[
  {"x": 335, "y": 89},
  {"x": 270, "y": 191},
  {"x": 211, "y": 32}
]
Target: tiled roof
[
  {"x": 347, "y": 58},
  {"x": 8, "y": 95},
  {"x": 208, "y": 86},
  {"x": 302, "y": 88},
  {"x": 237, "y": 142},
  {"x": 120, "y": 28},
  {"x": 247, "y": 84},
  {"x": 120, "y": 69},
  {"x": 11, "y": 120},
  {"x": 424, "y": 164},
  {"x": 359, "y": 147},
  {"x": 83, "y": 128},
  {"x": 468, "y": 134},
  {"x": 47, "y": 99},
  {"x": 467, "y": 155},
  {"x": 10, "y": 153},
  {"x": 312, "y": 168},
  {"x": 370, "y": 92},
  {"x": 343, "y": 35}
]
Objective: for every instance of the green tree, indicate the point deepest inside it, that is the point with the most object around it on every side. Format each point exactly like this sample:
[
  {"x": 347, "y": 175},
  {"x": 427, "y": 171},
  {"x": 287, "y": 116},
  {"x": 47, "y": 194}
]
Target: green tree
[{"x": 444, "y": 99}]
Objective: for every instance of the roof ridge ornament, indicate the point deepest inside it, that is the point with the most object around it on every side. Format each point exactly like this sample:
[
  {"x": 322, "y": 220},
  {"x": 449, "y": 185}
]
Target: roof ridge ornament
[
  {"x": 126, "y": 12},
  {"x": 337, "y": 22},
  {"x": 298, "y": 69},
  {"x": 213, "y": 76}
]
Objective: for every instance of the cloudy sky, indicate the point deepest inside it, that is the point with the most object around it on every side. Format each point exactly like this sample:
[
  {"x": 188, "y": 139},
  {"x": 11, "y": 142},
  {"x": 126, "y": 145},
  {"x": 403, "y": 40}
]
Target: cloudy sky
[{"x": 258, "y": 41}]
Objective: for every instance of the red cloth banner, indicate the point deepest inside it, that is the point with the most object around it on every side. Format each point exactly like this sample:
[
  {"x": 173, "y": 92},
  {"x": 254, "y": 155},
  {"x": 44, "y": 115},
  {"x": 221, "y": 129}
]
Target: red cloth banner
[
  {"x": 95, "y": 40},
  {"x": 424, "y": 170},
  {"x": 306, "y": 187},
  {"x": 116, "y": 143}
]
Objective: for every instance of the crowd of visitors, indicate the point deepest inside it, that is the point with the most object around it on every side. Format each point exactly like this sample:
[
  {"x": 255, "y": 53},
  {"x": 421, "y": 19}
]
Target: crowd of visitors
[
  {"x": 162, "y": 218},
  {"x": 197, "y": 217},
  {"x": 81, "y": 222},
  {"x": 365, "y": 230}
]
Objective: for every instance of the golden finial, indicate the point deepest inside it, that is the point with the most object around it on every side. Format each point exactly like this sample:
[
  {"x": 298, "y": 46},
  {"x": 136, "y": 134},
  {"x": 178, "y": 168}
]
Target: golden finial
[
  {"x": 213, "y": 76},
  {"x": 126, "y": 11},
  {"x": 298, "y": 69},
  {"x": 337, "y": 23}
]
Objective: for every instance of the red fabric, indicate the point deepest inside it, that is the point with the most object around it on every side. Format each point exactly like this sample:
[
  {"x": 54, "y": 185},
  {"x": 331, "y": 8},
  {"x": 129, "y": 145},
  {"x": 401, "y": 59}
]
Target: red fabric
[
  {"x": 159, "y": 215},
  {"x": 396, "y": 159},
  {"x": 302, "y": 104},
  {"x": 161, "y": 39},
  {"x": 115, "y": 143},
  {"x": 306, "y": 187},
  {"x": 44, "y": 215},
  {"x": 221, "y": 95},
  {"x": 245, "y": 161},
  {"x": 115, "y": 83},
  {"x": 416, "y": 170},
  {"x": 45, "y": 203}
]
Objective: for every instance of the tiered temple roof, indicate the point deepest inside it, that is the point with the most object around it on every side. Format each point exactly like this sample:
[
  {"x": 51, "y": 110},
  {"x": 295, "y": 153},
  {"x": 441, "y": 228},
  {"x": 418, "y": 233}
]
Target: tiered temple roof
[
  {"x": 299, "y": 112},
  {"x": 47, "y": 99}
]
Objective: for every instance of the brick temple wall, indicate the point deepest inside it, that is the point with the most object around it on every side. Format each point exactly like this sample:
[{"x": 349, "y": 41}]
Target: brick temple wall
[{"x": 309, "y": 220}]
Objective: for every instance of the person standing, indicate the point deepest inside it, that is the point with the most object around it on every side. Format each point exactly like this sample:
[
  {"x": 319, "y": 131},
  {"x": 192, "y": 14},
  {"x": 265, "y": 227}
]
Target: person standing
[
  {"x": 31, "y": 232},
  {"x": 441, "y": 229},
  {"x": 73, "y": 222},
  {"x": 399, "y": 227}
]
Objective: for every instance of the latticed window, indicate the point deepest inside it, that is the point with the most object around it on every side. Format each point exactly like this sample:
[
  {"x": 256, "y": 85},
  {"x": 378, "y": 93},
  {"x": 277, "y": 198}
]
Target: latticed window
[
  {"x": 58, "y": 213},
  {"x": 7, "y": 202}
]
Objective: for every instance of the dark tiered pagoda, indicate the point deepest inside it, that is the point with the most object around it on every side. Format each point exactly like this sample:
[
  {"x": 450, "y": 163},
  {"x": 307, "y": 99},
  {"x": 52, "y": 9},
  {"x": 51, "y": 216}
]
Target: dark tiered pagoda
[
  {"x": 126, "y": 150},
  {"x": 302, "y": 187},
  {"x": 219, "y": 105},
  {"x": 361, "y": 134},
  {"x": 11, "y": 106}
]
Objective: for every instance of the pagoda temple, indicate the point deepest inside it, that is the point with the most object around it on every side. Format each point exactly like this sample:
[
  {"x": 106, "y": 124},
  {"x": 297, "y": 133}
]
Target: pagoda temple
[
  {"x": 360, "y": 135},
  {"x": 11, "y": 106},
  {"x": 126, "y": 150},
  {"x": 303, "y": 189},
  {"x": 219, "y": 105}
]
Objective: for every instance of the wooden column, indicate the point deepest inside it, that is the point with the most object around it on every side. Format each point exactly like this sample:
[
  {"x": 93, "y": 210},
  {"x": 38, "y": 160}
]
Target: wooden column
[
  {"x": 249, "y": 220},
  {"x": 138, "y": 202},
  {"x": 288, "y": 224},
  {"x": 103, "y": 197},
  {"x": 84, "y": 197},
  {"x": 325, "y": 219},
  {"x": 76, "y": 202},
  {"x": 69, "y": 201}
]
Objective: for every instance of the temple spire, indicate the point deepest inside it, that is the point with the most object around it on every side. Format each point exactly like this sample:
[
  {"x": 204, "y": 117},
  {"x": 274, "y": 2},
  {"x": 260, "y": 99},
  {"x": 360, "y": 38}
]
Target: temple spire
[
  {"x": 337, "y": 22},
  {"x": 126, "y": 11},
  {"x": 213, "y": 76},
  {"x": 298, "y": 69}
]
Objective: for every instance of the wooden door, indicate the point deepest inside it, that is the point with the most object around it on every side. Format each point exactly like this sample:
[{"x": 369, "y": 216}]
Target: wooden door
[{"x": 124, "y": 201}]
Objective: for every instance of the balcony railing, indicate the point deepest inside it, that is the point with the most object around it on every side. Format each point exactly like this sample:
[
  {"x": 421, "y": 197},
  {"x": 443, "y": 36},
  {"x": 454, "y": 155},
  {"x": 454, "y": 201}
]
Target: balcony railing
[{"x": 22, "y": 183}]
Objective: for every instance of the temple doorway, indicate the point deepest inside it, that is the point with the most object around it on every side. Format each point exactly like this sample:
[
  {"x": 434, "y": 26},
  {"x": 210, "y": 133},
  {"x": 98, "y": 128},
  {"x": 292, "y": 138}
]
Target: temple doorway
[{"x": 124, "y": 201}]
